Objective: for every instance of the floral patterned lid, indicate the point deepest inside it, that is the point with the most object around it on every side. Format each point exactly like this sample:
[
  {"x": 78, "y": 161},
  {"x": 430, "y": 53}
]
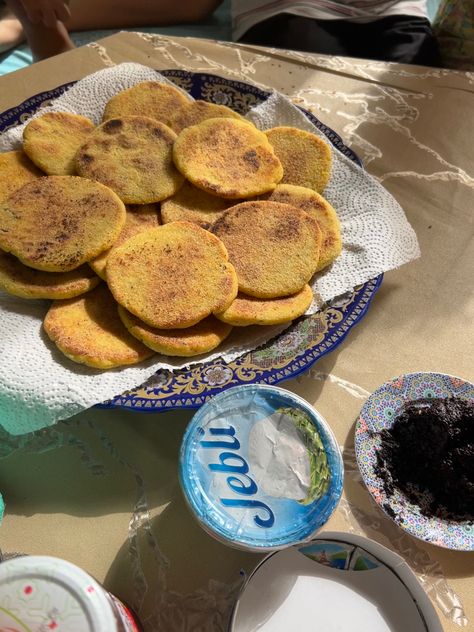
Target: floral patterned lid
[
  {"x": 45, "y": 593},
  {"x": 260, "y": 468}
]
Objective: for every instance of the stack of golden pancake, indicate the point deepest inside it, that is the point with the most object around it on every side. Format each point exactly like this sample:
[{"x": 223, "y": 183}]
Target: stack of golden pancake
[{"x": 195, "y": 220}]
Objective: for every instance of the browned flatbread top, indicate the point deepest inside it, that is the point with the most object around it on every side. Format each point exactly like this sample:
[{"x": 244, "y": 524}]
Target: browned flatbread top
[
  {"x": 88, "y": 330},
  {"x": 318, "y": 207},
  {"x": 133, "y": 156},
  {"x": 191, "y": 204},
  {"x": 274, "y": 247},
  {"x": 52, "y": 140},
  {"x": 247, "y": 310},
  {"x": 16, "y": 169},
  {"x": 173, "y": 276},
  {"x": 139, "y": 217},
  {"x": 305, "y": 157},
  {"x": 197, "y": 111},
  {"x": 20, "y": 280},
  {"x": 228, "y": 158},
  {"x": 149, "y": 98},
  {"x": 202, "y": 337},
  {"x": 57, "y": 223}
]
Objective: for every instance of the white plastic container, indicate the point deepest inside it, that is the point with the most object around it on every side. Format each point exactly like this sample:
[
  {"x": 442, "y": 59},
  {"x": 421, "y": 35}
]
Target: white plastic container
[{"x": 44, "y": 594}]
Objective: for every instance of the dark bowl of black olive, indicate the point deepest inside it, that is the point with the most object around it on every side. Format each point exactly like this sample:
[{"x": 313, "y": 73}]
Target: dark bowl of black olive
[{"x": 414, "y": 442}]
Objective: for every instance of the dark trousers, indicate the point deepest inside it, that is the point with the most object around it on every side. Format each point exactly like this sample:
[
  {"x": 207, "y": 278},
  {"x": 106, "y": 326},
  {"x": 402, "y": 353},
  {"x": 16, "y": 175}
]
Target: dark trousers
[{"x": 400, "y": 38}]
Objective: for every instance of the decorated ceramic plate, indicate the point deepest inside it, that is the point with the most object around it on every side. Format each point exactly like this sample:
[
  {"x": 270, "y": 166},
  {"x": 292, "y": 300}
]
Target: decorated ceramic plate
[
  {"x": 379, "y": 413},
  {"x": 291, "y": 353}
]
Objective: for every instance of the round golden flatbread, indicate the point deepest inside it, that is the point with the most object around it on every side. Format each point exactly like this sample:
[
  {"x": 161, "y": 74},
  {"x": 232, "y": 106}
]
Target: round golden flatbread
[
  {"x": 191, "y": 204},
  {"x": 246, "y": 310},
  {"x": 52, "y": 140},
  {"x": 149, "y": 98},
  {"x": 173, "y": 276},
  {"x": 88, "y": 330},
  {"x": 20, "y": 280},
  {"x": 16, "y": 169},
  {"x": 200, "y": 338},
  {"x": 319, "y": 208},
  {"x": 138, "y": 219},
  {"x": 197, "y": 111},
  {"x": 57, "y": 223},
  {"x": 305, "y": 157},
  {"x": 133, "y": 156},
  {"x": 274, "y": 247},
  {"x": 228, "y": 158}
]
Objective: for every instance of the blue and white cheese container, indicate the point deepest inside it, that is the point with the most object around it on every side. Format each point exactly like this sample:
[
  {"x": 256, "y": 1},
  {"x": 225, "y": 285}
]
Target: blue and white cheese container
[{"x": 260, "y": 468}]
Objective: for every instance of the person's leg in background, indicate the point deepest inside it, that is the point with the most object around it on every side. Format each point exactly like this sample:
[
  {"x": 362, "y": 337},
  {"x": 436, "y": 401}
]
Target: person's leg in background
[
  {"x": 300, "y": 33},
  {"x": 50, "y": 39},
  {"x": 403, "y": 39},
  {"x": 109, "y": 14},
  {"x": 45, "y": 32},
  {"x": 11, "y": 31}
]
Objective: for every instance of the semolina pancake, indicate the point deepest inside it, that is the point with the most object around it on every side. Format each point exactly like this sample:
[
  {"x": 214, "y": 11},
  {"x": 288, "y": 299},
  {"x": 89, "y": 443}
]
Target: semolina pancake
[
  {"x": 173, "y": 276},
  {"x": 57, "y": 223},
  {"x": 319, "y": 208},
  {"x": 228, "y": 158},
  {"x": 197, "y": 111},
  {"x": 133, "y": 156},
  {"x": 149, "y": 98},
  {"x": 191, "y": 204},
  {"x": 274, "y": 247},
  {"x": 246, "y": 310},
  {"x": 305, "y": 157},
  {"x": 88, "y": 330},
  {"x": 16, "y": 169},
  {"x": 52, "y": 140},
  {"x": 200, "y": 338},
  {"x": 20, "y": 280},
  {"x": 138, "y": 219}
]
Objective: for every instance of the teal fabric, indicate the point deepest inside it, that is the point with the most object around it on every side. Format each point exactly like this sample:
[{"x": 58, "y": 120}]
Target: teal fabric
[
  {"x": 433, "y": 9},
  {"x": 15, "y": 59},
  {"x": 217, "y": 26}
]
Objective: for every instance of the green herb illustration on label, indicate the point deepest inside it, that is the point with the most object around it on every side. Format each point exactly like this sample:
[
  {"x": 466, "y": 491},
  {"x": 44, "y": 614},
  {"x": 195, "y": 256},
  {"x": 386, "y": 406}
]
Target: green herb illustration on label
[
  {"x": 287, "y": 457},
  {"x": 319, "y": 469}
]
